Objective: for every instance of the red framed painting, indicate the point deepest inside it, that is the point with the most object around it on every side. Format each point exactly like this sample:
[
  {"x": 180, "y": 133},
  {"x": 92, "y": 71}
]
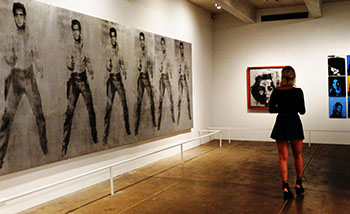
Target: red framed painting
[{"x": 261, "y": 81}]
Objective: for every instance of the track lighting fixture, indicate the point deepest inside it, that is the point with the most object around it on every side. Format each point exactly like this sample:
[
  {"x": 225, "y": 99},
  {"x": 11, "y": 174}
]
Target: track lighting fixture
[{"x": 217, "y": 6}]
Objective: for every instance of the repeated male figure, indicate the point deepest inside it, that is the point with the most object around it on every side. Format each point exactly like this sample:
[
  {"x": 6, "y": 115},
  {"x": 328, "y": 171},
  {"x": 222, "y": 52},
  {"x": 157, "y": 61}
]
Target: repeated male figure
[
  {"x": 182, "y": 84},
  {"x": 115, "y": 67},
  {"x": 145, "y": 69},
  {"x": 78, "y": 64},
  {"x": 21, "y": 58},
  {"x": 164, "y": 82}
]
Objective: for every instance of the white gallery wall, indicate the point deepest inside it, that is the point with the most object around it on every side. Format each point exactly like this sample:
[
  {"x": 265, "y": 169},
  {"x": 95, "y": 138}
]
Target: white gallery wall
[
  {"x": 303, "y": 44},
  {"x": 177, "y": 19}
]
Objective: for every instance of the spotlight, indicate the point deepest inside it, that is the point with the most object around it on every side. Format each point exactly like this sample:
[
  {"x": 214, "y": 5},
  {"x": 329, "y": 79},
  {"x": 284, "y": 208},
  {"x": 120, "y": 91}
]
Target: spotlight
[{"x": 217, "y": 6}]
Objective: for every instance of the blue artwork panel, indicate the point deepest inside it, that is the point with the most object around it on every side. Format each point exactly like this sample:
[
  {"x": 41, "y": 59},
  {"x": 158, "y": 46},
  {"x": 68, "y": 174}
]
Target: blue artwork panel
[
  {"x": 348, "y": 74},
  {"x": 348, "y": 107},
  {"x": 337, "y": 107},
  {"x": 347, "y": 64},
  {"x": 336, "y": 86}
]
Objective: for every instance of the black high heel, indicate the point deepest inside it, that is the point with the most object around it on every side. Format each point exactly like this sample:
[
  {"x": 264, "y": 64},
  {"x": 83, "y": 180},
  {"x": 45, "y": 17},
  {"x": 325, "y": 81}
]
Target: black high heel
[
  {"x": 299, "y": 189},
  {"x": 287, "y": 193}
]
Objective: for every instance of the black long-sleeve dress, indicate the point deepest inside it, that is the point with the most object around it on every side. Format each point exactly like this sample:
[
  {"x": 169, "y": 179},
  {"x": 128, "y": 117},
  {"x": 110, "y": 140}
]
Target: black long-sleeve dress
[{"x": 287, "y": 103}]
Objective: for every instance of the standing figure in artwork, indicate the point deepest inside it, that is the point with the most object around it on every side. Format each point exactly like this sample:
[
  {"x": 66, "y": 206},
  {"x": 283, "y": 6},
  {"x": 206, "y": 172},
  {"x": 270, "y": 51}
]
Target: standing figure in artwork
[
  {"x": 145, "y": 69},
  {"x": 164, "y": 82},
  {"x": 115, "y": 67},
  {"x": 183, "y": 72},
  {"x": 78, "y": 63},
  {"x": 21, "y": 58}
]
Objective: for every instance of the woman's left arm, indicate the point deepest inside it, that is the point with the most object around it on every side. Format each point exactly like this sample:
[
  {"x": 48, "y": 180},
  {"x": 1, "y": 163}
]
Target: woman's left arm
[{"x": 301, "y": 104}]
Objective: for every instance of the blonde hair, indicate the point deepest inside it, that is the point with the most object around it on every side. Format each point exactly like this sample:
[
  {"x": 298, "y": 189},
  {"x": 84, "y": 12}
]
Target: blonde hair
[{"x": 288, "y": 76}]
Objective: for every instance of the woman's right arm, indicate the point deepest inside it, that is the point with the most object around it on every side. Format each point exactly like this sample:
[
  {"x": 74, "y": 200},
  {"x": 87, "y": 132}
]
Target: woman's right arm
[{"x": 273, "y": 107}]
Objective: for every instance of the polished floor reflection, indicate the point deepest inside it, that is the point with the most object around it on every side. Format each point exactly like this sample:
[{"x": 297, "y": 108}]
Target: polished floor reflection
[{"x": 241, "y": 177}]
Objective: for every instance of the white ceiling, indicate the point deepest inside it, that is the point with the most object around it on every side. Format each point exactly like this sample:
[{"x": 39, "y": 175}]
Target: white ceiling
[{"x": 245, "y": 9}]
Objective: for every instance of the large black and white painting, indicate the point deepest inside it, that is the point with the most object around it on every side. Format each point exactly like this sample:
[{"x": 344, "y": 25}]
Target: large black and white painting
[
  {"x": 71, "y": 84},
  {"x": 261, "y": 81}
]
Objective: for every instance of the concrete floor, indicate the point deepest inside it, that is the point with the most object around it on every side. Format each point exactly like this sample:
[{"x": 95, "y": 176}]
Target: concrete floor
[{"x": 241, "y": 177}]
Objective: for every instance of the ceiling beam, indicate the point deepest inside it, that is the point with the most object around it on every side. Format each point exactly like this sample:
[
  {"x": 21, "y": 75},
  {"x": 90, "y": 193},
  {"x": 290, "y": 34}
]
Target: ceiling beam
[
  {"x": 240, "y": 9},
  {"x": 314, "y": 7}
]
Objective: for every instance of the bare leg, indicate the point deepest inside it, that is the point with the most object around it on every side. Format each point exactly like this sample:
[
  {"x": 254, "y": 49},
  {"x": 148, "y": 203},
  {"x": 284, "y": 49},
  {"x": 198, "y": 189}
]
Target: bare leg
[
  {"x": 282, "y": 147},
  {"x": 297, "y": 147}
]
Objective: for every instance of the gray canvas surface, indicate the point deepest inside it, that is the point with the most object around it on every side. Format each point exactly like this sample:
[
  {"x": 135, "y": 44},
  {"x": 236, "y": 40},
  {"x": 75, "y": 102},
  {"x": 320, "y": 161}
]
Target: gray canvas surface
[{"x": 49, "y": 38}]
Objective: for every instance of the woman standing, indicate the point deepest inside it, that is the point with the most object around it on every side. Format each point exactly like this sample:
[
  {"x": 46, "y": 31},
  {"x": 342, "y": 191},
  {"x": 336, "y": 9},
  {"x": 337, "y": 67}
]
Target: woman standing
[{"x": 288, "y": 101}]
